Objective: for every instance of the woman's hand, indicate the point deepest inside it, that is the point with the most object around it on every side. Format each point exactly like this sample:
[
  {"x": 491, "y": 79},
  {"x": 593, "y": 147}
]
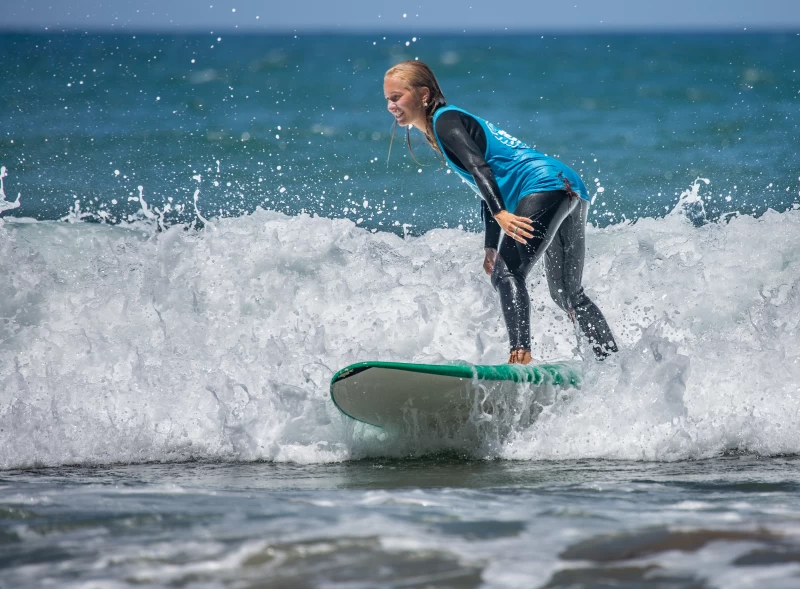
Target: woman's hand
[
  {"x": 517, "y": 228},
  {"x": 488, "y": 261}
]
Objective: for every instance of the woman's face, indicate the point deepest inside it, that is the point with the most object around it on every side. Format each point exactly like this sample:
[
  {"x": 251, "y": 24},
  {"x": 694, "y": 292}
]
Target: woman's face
[{"x": 404, "y": 103}]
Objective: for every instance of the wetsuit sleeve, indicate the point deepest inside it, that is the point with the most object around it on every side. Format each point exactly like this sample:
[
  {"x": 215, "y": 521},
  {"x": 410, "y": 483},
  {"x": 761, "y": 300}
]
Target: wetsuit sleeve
[
  {"x": 463, "y": 139},
  {"x": 493, "y": 230}
]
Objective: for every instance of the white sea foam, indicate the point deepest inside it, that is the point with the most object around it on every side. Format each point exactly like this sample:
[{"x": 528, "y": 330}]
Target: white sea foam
[
  {"x": 128, "y": 344},
  {"x": 6, "y": 205}
]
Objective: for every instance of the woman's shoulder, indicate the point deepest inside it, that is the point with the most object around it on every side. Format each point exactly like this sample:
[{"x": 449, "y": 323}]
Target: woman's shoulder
[
  {"x": 450, "y": 114},
  {"x": 451, "y": 108}
]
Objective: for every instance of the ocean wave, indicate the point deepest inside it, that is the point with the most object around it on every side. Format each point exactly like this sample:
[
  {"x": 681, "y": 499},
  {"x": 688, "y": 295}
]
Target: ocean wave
[{"x": 131, "y": 344}]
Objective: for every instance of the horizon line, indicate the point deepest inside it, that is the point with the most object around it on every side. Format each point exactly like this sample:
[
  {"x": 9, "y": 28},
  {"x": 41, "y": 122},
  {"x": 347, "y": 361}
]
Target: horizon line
[{"x": 590, "y": 30}]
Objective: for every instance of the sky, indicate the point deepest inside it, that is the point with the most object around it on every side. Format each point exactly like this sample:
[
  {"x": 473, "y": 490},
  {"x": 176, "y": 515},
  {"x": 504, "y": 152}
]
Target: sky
[{"x": 471, "y": 16}]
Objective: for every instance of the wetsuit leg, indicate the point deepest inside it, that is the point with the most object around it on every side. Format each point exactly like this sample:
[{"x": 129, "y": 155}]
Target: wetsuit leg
[
  {"x": 564, "y": 268},
  {"x": 547, "y": 211}
]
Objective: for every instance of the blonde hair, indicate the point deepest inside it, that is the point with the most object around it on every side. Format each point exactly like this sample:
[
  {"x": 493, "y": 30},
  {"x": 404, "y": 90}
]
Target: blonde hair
[{"x": 416, "y": 75}]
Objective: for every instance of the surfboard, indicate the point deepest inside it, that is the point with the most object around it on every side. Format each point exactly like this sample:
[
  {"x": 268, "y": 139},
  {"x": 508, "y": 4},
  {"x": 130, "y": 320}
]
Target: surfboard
[{"x": 394, "y": 393}]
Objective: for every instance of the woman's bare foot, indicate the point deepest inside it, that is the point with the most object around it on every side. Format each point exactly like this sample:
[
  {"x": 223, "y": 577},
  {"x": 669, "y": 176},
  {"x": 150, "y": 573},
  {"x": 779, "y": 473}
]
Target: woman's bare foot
[{"x": 520, "y": 356}]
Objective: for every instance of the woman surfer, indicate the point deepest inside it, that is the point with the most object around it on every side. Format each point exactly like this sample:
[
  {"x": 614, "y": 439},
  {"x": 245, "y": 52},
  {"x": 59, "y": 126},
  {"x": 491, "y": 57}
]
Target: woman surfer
[{"x": 539, "y": 203}]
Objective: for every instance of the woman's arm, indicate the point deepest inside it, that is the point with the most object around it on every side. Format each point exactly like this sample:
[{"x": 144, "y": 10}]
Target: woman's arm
[
  {"x": 491, "y": 239},
  {"x": 463, "y": 139},
  {"x": 492, "y": 236}
]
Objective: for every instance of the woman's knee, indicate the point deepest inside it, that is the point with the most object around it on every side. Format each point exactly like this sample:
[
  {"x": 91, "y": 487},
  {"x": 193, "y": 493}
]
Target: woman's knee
[
  {"x": 499, "y": 274},
  {"x": 560, "y": 298},
  {"x": 568, "y": 300}
]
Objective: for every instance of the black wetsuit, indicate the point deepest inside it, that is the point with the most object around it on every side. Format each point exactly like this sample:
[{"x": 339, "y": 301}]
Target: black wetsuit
[{"x": 558, "y": 219}]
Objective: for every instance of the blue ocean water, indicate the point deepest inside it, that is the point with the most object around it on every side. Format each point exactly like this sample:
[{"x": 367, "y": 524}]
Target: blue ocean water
[
  {"x": 298, "y": 123},
  {"x": 444, "y": 523},
  {"x": 197, "y": 231}
]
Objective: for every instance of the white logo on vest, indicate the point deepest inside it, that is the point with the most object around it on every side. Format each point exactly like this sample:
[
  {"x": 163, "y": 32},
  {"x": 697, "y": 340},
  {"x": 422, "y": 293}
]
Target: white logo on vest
[{"x": 505, "y": 138}]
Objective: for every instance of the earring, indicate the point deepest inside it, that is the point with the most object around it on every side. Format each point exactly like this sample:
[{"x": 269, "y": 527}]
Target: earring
[{"x": 424, "y": 103}]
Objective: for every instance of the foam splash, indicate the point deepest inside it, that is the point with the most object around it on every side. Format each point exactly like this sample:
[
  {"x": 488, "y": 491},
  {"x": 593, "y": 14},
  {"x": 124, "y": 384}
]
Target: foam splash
[
  {"x": 6, "y": 205},
  {"x": 690, "y": 203},
  {"x": 125, "y": 344}
]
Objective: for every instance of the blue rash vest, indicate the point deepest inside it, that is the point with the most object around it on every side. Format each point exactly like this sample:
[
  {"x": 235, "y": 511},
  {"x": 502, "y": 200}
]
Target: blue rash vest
[{"x": 518, "y": 168}]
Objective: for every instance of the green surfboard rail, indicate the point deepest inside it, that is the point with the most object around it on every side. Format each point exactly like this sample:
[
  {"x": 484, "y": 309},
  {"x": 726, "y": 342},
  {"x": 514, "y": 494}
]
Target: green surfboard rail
[{"x": 559, "y": 373}]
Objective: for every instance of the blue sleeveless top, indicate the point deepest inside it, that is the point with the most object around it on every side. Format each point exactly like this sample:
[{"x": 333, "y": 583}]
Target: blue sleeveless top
[{"x": 518, "y": 168}]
